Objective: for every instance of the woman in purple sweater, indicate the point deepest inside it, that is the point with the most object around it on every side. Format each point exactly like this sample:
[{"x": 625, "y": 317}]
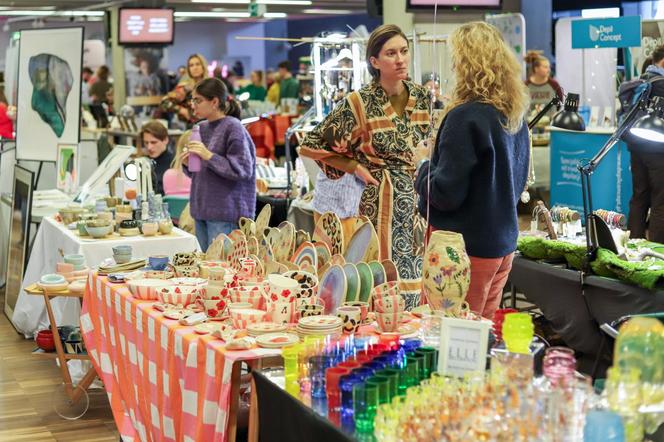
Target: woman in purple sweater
[{"x": 225, "y": 188}]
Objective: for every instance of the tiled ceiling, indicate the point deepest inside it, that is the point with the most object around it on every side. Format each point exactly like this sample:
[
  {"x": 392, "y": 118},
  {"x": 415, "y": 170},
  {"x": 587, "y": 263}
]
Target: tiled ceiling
[{"x": 355, "y": 6}]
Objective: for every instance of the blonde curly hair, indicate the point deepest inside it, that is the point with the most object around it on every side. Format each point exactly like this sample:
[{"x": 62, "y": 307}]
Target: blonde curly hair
[{"x": 487, "y": 71}]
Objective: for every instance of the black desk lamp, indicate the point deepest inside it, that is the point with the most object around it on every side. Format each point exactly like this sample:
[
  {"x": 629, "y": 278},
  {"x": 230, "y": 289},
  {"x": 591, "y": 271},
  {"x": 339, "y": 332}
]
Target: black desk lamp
[
  {"x": 568, "y": 118},
  {"x": 644, "y": 126}
]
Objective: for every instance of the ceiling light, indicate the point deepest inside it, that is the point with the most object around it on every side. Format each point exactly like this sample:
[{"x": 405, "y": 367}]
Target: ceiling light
[
  {"x": 275, "y": 15},
  {"x": 52, "y": 13},
  {"x": 227, "y": 14},
  {"x": 260, "y": 2},
  {"x": 327, "y": 11}
]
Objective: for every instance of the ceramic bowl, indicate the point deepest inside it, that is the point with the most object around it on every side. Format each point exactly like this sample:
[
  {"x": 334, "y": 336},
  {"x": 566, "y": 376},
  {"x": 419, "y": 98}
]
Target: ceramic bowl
[
  {"x": 239, "y": 305},
  {"x": 158, "y": 262},
  {"x": 242, "y": 317},
  {"x": 389, "y": 322},
  {"x": 122, "y": 249},
  {"x": 149, "y": 228},
  {"x": 158, "y": 274},
  {"x": 97, "y": 223},
  {"x": 364, "y": 308},
  {"x": 282, "y": 286},
  {"x": 390, "y": 304},
  {"x": 71, "y": 214},
  {"x": 189, "y": 281},
  {"x": 75, "y": 259},
  {"x": 311, "y": 310},
  {"x": 219, "y": 290},
  {"x": 52, "y": 278},
  {"x": 351, "y": 316},
  {"x": 122, "y": 258},
  {"x": 214, "y": 308},
  {"x": 63, "y": 267},
  {"x": 129, "y": 224},
  {"x": 253, "y": 295},
  {"x": 99, "y": 232},
  {"x": 147, "y": 288},
  {"x": 184, "y": 259},
  {"x": 178, "y": 294}
]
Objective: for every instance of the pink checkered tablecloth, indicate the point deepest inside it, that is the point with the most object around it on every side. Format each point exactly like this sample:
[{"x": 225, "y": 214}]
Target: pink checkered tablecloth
[{"x": 164, "y": 382}]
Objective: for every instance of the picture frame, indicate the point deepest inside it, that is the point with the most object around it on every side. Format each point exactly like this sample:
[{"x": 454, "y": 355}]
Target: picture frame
[
  {"x": 67, "y": 168},
  {"x": 104, "y": 172},
  {"x": 49, "y": 91},
  {"x": 19, "y": 236},
  {"x": 463, "y": 346}
]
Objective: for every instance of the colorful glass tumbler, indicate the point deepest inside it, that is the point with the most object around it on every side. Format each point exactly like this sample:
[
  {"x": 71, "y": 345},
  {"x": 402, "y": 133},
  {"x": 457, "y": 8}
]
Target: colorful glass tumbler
[{"x": 518, "y": 332}]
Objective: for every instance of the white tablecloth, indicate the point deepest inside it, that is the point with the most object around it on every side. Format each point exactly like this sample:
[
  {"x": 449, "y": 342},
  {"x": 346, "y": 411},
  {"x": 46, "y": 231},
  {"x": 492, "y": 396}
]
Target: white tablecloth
[{"x": 30, "y": 312}]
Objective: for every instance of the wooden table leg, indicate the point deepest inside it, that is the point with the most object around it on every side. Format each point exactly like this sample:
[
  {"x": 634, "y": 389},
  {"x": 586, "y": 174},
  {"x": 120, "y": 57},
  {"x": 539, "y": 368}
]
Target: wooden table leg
[
  {"x": 64, "y": 369},
  {"x": 234, "y": 400},
  {"x": 253, "y": 414}
]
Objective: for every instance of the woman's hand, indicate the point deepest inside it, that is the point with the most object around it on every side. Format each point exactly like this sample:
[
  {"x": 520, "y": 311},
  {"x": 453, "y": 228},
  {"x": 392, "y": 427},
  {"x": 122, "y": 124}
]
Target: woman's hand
[
  {"x": 185, "y": 157},
  {"x": 199, "y": 149},
  {"x": 362, "y": 173},
  {"x": 421, "y": 152}
]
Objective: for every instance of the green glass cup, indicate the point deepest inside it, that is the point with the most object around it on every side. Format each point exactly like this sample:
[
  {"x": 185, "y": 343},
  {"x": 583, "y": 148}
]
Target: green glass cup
[
  {"x": 392, "y": 374},
  {"x": 421, "y": 364},
  {"x": 411, "y": 375},
  {"x": 365, "y": 404},
  {"x": 430, "y": 360},
  {"x": 383, "y": 385}
]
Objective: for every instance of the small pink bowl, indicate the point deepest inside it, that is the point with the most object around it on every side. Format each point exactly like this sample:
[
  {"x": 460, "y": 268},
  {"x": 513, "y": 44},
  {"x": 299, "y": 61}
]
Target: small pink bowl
[
  {"x": 243, "y": 317},
  {"x": 178, "y": 294}
]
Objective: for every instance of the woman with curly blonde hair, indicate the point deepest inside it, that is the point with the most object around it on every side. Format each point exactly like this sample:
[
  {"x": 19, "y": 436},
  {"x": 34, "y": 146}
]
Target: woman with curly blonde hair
[{"x": 480, "y": 163}]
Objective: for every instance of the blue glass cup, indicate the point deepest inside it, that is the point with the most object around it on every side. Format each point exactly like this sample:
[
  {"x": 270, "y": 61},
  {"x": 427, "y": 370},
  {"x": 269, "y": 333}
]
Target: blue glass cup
[
  {"x": 346, "y": 384},
  {"x": 317, "y": 367},
  {"x": 603, "y": 426}
]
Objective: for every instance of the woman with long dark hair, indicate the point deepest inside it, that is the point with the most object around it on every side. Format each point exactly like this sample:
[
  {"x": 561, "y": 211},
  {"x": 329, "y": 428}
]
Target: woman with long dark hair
[
  {"x": 373, "y": 133},
  {"x": 225, "y": 187}
]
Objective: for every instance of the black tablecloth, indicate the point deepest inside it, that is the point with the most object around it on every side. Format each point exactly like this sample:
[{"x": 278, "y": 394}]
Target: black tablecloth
[
  {"x": 279, "y": 208},
  {"x": 283, "y": 418},
  {"x": 576, "y": 310}
]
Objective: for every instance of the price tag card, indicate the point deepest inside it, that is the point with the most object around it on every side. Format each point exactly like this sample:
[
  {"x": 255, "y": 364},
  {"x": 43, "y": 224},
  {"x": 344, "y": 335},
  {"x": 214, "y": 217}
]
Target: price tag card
[{"x": 463, "y": 346}]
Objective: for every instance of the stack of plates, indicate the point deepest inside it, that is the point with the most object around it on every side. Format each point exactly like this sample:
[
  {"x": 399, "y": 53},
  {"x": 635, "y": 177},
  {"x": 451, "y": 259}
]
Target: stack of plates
[
  {"x": 261, "y": 328},
  {"x": 319, "y": 326},
  {"x": 276, "y": 340}
]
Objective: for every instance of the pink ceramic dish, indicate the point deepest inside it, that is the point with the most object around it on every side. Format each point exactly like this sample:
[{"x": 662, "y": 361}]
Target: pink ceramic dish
[
  {"x": 179, "y": 294},
  {"x": 147, "y": 288},
  {"x": 244, "y": 316}
]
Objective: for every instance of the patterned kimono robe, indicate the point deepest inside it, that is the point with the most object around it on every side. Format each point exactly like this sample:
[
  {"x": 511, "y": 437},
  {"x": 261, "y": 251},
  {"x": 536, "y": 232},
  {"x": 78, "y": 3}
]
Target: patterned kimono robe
[{"x": 365, "y": 129}]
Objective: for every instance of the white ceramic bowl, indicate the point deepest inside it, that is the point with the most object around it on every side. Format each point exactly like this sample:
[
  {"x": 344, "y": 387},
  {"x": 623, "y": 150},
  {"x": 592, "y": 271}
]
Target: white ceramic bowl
[
  {"x": 245, "y": 316},
  {"x": 178, "y": 294},
  {"x": 147, "y": 288}
]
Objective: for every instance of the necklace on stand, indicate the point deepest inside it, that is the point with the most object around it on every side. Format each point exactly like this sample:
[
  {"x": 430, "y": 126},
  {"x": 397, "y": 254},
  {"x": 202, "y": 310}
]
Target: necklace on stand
[{"x": 530, "y": 180}]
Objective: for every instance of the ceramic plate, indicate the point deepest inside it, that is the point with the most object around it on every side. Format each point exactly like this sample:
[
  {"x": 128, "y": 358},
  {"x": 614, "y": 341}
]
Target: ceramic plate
[
  {"x": 332, "y": 288},
  {"x": 206, "y": 327},
  {"x": 352, "y": 282},
  {"x": 404, "y": 330},
  {"x": 366, "y": 281},
  {"x": 329, "y": 230},
  {"x": 323, "y": 253},
  {"x": 306, "y": 255},
  {"x": 285, "y": 242},
  {"x": 252, "y": 245},
  {"x": 216, "y": 249},
  {"x": 277, "y": 340},
  {"x": 378, "y": 273},
  {"x": 320, "y": 322},
  {"x": 391, "y": 272},
  {"x": 265, "y": 252},
  {"x": 337, "y": 260},
  {"x": 266, "y": 327},
  {"x": 300, "y": 237},
  {"x": 358, "y": 244},
  {"x": 239, "y": 252},
  {"x": 263, "y": 220},
  {"x": 237, "y": 234},
  {"x": 260, "y": 270}
]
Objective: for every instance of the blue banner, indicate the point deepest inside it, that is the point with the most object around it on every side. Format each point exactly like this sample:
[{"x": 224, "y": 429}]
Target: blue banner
[{"x": 621, "y": 32}]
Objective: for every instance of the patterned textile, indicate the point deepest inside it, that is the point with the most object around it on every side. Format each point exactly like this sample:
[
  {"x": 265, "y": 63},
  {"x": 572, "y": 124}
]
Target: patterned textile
[
  {"x": 341, "y": 196},
  {"x": 164, "y": 381},
  {"x": 365, "y": 129}
]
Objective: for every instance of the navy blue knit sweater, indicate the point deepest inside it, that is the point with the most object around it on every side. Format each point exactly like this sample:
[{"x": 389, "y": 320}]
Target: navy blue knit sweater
[{"x": 477, "y": 174}]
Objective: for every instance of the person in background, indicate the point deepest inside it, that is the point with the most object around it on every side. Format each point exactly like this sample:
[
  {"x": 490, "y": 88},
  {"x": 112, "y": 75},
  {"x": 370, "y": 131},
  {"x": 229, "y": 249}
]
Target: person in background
[
  {"x": 541, "y": 84},
  {"x": 374, "y": 133},
  {"x": 225, "y": 187},
  {"x": 86, "y": 75},
  {"x": 154, "y": 139},
  {"x": 6, "y": 123},
  {"x": 101, "y": 86},
  {"x": 646, "y": 207},
  {"x": 479, "y": 167},
  {"x": 273, "y": 90},
  {"x": 197, "y": 70},
  {"x": 433, "y": 85},
  {"x": 181, "y": 73},
  {"x": 269, "y": 78},
  {"x": 255, "y": 88},
  {"x": 289, "y": 87},
  {"x": 175, "y": 182}
]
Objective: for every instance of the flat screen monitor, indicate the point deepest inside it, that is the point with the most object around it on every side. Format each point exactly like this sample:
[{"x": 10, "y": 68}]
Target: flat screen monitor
[
  {"x": 425, "y": 4},
  {"x": 141, "y": 26}
]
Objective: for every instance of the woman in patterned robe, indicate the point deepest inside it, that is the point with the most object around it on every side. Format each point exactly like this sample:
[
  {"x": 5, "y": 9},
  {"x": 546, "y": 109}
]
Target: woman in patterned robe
[{"x": 374, "y": 133}]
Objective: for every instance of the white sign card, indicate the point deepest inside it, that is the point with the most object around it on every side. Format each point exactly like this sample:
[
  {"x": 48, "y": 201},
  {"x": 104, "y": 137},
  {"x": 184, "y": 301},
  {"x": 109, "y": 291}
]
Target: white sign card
[{"x": 463, "y": 346}]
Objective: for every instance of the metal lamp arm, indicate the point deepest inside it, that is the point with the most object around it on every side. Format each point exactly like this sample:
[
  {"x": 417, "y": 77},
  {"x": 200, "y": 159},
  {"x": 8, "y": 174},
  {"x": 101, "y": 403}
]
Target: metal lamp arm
[{"x": 555, "y": 101}]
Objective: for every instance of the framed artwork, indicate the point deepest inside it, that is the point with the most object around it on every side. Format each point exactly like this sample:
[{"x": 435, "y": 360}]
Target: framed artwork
[
  {"x": 67, "y": 167},
  {"x": 19, "y": 236},
  {"x": 463, "y": 346},
  {"x": 49, "y": 92}
]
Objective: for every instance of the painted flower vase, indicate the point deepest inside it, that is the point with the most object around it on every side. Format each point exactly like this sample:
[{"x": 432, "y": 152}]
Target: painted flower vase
[{"x": 446, "y": 271}]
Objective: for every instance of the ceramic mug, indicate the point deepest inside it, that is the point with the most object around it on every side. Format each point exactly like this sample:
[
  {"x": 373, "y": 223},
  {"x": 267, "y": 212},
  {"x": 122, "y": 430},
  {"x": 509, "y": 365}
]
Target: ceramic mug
[
  {"x": 184, "y": 259},
  {"x": 216, "y": 273},
  {"x": 389, "y": 322},
  {"x": 389, "y": 304},
  {"x": 311, "y": 310},
  {"x": 214, "y": 308},
  {"x": 283, "y": 312},
  {"x": 158, "y": 262},
  {"x": 186, "y": 271},
  {"x": 149, "y": 228},
  {"x": 239, "y": 306},
  {"x": 122, "y": 249},
  {"x": 254, "y": 296},
  {"x": 165, "y": 227},
  {"x": 351, "y": 317},
  {"x": 364, "y": 309}
]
